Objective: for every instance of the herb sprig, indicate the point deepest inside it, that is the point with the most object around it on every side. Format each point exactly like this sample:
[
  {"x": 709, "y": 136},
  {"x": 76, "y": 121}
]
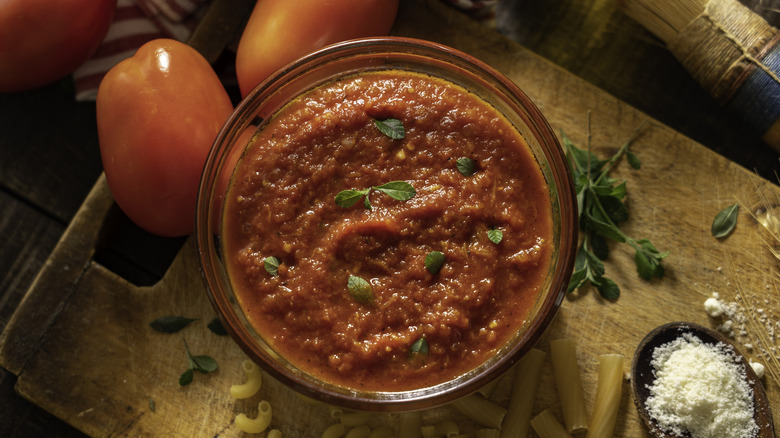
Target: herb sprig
[
  {"x": 399, "y": 190},
  {"x": 601, "y": 209},
  {"x": 203, "y": 364}
]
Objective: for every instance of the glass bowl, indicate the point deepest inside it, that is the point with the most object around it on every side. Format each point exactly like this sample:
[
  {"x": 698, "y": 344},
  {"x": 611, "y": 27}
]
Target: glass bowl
[{"x": 358, "y": 57}]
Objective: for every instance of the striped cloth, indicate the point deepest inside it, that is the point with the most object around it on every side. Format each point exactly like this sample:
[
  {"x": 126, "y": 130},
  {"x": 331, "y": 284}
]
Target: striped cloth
[
  {"x": 139, "y": 21},
  {"x": 135, "y": 23}
]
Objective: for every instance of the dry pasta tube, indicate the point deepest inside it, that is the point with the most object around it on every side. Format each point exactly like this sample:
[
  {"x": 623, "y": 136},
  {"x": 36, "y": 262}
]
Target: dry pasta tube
[
  {"x": 563, "y": 353},
  {"x": 258, "y": 424},
  {"x": 487, "y": 390},
  {"x": 487, "y": 433},
  {"x": 382, "y": 432},
  {"x": 447, "y": 428},
  {"x": 428, "y": 431},
  {"x": 274, "y": 433},
  {"x": 352, "y": 419},
  {"x": 254, "y": 380},
  {"x": 334, "y": 431},
  {"x": 608, "y": 391},
  {"x": 481, "y": 410},
  {"x": 547, "y": 426},
  {"x": 409, "y": 424},
  {"x": 521, "y": 401},
  {"x": 361, "y": 431}
]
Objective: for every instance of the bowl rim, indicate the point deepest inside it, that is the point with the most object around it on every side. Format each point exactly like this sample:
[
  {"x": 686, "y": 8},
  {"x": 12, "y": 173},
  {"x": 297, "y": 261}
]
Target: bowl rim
[{"x": 531, "y": 331}]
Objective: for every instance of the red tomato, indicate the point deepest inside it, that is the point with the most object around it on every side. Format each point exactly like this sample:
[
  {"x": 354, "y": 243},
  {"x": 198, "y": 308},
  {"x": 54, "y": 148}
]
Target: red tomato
[
  {"x": 158, "y": 114},
  {"x": 43, "y": 40},
  {"x": 280, "y": 31}
]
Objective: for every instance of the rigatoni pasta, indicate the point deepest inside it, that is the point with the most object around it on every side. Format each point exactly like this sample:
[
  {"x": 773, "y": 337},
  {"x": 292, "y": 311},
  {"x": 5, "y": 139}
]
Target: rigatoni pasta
[
  {"x": 563, "y": 353},
  {"x": 521, "y": 402},
  {"x": 547, "y": 426},
  {"x": 382, "y": 432},
  {"x": 334, "y": 431},
  {"x": 361, "y": 431},
  {"x": 409, "y": 424},
  {"x": 481, "y": 410},
  {"x": 608, "y": 391}
]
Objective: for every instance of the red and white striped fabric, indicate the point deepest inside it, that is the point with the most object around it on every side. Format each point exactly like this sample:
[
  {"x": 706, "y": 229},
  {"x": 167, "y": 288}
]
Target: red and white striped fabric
[{"x": 135, "y": 23}]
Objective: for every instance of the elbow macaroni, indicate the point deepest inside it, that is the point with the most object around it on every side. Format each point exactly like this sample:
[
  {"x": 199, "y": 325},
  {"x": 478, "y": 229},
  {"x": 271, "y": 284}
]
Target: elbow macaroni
[
  {"x": 257, "y": 424},
  {"x": 254, "y": 380}
]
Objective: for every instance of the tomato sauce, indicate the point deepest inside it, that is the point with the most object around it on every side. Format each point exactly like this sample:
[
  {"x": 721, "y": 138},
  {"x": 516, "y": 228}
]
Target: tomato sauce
[{"x": 281, "y": 204}]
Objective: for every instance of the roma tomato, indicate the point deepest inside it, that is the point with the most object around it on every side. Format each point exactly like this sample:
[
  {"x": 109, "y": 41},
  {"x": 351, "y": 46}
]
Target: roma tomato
[
  {"x": 43, "y": 40},
  {"x": 158, "y": 114},
  {"x": 280, "y": 31}
]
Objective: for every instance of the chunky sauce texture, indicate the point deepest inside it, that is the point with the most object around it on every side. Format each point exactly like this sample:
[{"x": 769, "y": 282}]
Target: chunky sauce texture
[{"x": 281, "y": 204}]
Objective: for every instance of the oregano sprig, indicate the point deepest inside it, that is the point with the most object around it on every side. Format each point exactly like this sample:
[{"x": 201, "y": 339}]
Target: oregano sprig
[
  {"x": 399, "y": 190},
  {"x": 203, "y": 364},
  {"x": 601, "y": 209}
]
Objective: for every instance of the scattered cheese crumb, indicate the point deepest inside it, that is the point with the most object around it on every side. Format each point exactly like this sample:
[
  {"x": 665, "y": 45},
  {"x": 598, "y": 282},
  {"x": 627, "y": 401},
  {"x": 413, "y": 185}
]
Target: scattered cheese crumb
[
  {"x": 758, "y": 368},
  {"x": 714, "y": 307}
]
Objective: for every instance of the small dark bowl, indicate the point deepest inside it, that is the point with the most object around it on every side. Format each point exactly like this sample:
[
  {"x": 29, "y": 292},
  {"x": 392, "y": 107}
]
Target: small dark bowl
[{"x": 642, "y": 375}]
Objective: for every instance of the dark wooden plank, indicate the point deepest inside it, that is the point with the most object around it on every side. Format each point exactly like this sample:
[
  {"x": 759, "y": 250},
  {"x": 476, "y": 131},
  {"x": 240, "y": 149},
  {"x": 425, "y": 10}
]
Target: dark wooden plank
[
  {"x": 597, "y": 42},
  {"x": 48, "y": 149}
]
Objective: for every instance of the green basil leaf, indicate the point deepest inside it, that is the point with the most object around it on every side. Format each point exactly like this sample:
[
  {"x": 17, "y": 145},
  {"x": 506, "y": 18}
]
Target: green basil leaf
[
  {"x": 419, "y": 346},
  {"x": 186, "y": 377},
  {"x": 272, "y": 265},
  {"x": 609, "y": 289},
  {"x": 217, "y": 328},
  {"x": 348, "y": 198},
  {"x": 392, "y": 128},
  {"x": 434, "y": 261},
  {"x": 466, "y": 166},
  {"x": 633, "y": 160},
  {"x": 171, "y": 324},
  {"x": 360, "y": 289},
  {"x": 204, "y": 364},
  {"x": 725, "y": 221},
  {"x": 495, "y": 236},
  {"x": 400, "y": 190}
]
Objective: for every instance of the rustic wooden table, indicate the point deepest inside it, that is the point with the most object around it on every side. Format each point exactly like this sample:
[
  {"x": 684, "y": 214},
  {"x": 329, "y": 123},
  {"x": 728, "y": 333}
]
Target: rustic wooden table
[{"x": 49, "y": 155}]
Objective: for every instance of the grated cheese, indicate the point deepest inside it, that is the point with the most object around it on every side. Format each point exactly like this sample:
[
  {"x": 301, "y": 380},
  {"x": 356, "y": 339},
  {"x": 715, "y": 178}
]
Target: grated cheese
[{"x": 701, "y": 389}]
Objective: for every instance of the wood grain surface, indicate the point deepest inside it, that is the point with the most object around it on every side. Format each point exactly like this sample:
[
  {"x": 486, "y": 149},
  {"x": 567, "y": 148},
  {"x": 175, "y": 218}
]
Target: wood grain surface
[{"x": 82, "y": 348}]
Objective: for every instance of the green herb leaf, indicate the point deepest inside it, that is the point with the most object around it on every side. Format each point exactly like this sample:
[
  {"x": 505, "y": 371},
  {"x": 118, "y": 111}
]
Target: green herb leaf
[
  {"x": 152, "y": 406},
  {"x": 348, "y": 198},
  {"x": 419, "y": 346},
  {"x": 171, "y": 324},
  {"x": 495, "y": 236},
  {"x": 204, "y": 364},
  {"x": 392, "y": 128},
  {"x": 272, "y": 265},
  {"x": 217, "y": 328},
  {"x": 725, "y": 221},
  {"x": 400, "y": 190},
  {"x": 466, "y": 166},
  {"x": 601, "y": 209},
  {"x": 360, "y": 289},
  {"x": 633, "y": 160},
  {"x": 186, "y": 377},
  {"x": 434, "y": 261}
]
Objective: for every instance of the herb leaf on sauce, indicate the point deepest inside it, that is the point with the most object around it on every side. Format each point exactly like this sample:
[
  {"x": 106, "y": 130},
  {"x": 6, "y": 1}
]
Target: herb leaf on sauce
[
  {"x": 272, "y": 265},
  {"x": 725, "y": 221},
  {"x": 399, "y": 190},
  {"x": 171, "y": 324},
  {"x": 466, "y": 166},
  {"x": 495, "y": 236},
  {"x": 419, "y": 346},
  {"x": 434, "y": 261},
  {"x": 360, "y": 289},
  {"x": 392, "y": 128},
  {"x": 601, "y": 209}
]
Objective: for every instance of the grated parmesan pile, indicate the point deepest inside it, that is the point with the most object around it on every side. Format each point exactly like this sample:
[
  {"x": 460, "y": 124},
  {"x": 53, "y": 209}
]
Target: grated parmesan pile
[{"x": 701, "y": 389}]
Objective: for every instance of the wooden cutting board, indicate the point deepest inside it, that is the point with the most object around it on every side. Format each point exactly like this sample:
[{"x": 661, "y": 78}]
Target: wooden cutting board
[{"x": 83, "y": 349}]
